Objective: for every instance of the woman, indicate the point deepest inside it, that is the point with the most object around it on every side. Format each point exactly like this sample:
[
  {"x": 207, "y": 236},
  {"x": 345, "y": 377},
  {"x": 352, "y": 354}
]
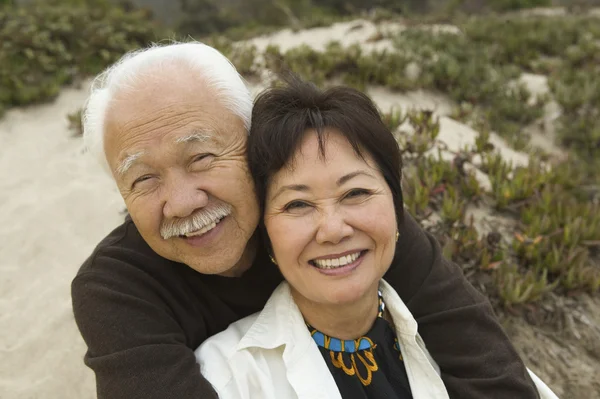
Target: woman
[{"x": 327, "y": 173}]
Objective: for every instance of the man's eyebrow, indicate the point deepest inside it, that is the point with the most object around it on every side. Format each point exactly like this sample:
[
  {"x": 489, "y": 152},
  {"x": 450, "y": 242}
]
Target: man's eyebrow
[
  {"x": 198, "y": 136},
  {"x": 128, "y": 162}
]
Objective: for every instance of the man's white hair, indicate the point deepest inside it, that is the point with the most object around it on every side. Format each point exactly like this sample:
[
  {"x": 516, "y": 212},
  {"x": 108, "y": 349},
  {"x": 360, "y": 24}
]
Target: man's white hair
[{"x": 213, "y": 68}]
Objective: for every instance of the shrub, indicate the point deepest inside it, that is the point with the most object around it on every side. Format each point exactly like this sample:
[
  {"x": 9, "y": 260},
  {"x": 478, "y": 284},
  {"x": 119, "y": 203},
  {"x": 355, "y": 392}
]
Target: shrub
[
  {"x": 506, "y": 5},
  {"x": 47, "y": 45},
  {"x": 244, "y": 19},
  {"x": 524, "y": 41},
  {"x": 578, "y": 92}
]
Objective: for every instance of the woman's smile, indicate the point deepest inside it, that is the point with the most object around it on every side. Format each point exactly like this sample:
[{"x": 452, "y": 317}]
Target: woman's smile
[
  {"x": 337, "y": 260},
  {"x": 339, "y": 266}
]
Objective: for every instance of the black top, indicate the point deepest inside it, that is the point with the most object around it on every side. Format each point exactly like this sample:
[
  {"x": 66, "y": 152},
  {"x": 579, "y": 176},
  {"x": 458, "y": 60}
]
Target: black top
[
  {"x": 370, "y": 367},
  {"x": 142, "y": 317}
]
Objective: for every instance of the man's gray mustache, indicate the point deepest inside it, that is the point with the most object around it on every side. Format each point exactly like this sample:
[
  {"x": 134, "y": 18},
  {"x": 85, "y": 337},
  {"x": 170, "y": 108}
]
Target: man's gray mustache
[{"x": 195, "y": 222}]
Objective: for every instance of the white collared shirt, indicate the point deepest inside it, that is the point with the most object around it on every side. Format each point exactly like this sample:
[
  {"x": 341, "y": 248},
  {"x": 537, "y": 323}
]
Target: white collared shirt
[{"x": 272, "y": 355}]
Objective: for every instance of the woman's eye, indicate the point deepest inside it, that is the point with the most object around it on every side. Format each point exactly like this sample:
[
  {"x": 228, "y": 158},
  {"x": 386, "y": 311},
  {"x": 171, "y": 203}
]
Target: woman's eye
[
  {"x": 357, "y": 192},
  {"x": 295, "y": 205}
]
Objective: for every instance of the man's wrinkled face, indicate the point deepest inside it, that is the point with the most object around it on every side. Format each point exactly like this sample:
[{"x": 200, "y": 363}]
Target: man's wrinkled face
[{"x": 178, "y": 157}]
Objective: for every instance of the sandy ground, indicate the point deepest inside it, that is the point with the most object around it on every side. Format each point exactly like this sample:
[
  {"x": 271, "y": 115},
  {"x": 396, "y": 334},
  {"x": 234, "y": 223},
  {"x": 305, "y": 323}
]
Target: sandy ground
[
  {"x": 562, "y": 344},
  {"x": 58, "y": 204},
  {"x": 347, "y": 33}
]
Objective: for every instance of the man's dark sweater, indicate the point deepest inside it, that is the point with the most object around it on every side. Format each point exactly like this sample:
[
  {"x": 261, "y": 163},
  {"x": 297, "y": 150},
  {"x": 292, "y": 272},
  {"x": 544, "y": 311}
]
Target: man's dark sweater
[{"x": 142, "y": 316}]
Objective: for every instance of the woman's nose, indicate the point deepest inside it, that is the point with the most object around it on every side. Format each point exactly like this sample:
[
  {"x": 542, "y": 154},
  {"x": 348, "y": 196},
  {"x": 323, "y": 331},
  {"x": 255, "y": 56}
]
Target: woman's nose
[{"x": 333, "y": 227}]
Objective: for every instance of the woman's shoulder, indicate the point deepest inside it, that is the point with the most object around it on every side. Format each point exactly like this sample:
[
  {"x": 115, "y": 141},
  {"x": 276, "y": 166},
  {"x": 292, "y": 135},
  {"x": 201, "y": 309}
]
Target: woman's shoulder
[
  {"x": 403, "y": 318},
  {"x": 214, "y": 355},
  {"x": 277, "y": 304},
  {"x": 247, "y": 359},
  {"x": 225, "y": 343},
  {"x": 218, "y": 354}
]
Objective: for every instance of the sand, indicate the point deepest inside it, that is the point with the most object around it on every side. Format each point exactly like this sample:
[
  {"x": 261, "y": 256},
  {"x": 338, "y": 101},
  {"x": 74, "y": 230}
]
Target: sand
[
  {"x": 347, "y": 33},
  {"x": 57, "y": 204}
]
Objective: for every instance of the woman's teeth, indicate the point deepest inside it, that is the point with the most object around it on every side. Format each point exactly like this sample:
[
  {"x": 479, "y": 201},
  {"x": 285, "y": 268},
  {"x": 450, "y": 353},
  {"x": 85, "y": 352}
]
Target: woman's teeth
[
  {"x": 338, "y": 262},
  {"x": 203, "y": 230}
]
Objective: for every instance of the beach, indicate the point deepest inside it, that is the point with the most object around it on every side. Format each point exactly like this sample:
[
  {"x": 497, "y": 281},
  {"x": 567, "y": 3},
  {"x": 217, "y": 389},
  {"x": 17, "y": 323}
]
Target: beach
[{"x": 58, "y": 204}]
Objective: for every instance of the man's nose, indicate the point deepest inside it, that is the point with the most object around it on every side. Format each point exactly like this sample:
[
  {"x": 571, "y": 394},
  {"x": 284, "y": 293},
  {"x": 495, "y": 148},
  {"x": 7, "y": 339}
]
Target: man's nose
[
  {"x": 333, "y": 227},
  {"x": 182, "y": 196}
]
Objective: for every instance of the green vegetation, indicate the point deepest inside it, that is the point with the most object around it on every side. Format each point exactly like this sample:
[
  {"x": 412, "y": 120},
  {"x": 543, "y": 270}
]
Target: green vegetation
[
  {"x": 445, "y": 62},
  {"x": 53, "y": 43},
  {"x": 478, "y": 70},
  {"x": 553, "y": 241},
  {"x": 244, "y": 19},
  {"x": 75, "y": 122},
  {"x": 507, "y": 5}
]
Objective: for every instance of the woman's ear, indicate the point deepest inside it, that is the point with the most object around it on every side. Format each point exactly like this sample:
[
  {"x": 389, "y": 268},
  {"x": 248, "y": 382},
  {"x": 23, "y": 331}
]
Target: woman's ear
[{"x": 266, "y": 241}]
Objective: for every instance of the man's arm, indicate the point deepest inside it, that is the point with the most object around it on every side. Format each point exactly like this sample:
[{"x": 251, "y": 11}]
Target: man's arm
[
  {"x": 457, "y": 322},
  {"x": 136, "y": 347}
]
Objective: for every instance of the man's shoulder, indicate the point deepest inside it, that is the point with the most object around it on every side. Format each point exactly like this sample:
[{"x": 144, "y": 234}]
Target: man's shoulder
[
  {"x": 124, "y": 263},
  {"x": 123, "y": 245}
]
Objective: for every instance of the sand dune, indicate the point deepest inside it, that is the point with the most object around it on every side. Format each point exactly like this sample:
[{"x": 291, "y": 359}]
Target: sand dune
[{"x": 56, "y": 206}]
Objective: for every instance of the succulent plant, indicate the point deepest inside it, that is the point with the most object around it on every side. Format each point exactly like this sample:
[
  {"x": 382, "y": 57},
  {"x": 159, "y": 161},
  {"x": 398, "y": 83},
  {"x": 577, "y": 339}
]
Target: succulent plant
[
  {"x": 75, "y": 122},
  {"x": 515, "y": 287}
]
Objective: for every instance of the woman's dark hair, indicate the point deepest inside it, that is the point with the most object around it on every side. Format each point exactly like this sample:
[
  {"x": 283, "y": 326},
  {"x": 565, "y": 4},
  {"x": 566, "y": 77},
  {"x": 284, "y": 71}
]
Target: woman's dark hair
[{"x": 282, "y": 115}]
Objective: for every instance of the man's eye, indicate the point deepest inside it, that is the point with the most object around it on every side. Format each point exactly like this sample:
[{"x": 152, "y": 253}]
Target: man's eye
[
  {"x": 295, "y": 205},
  {"x": 200, "y": 157},
  {"x": 140, "y": 180}
]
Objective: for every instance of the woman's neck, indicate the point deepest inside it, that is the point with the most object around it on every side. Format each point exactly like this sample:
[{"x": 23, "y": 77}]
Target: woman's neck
[{"x": 347, "y": 321}]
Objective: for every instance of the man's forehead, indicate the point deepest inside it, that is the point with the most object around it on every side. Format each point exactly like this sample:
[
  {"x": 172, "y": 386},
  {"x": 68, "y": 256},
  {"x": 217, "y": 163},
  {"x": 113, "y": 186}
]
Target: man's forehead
[
  {"x": 179, "y": 140},
  {"x": 191, "y": 121},
  {"x": 154, "y": 97},
  {"x": 140, "y": 124}
]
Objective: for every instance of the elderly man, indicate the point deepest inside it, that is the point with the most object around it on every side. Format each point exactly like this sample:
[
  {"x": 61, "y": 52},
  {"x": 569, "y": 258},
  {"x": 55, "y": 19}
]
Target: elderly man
[{"x": 171, "y": 123}]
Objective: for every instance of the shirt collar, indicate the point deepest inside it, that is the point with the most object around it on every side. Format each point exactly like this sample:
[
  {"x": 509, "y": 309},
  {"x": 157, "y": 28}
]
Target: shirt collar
[
  {"x": 278, "y": 323},
  {"x": 404, "y": 322}
]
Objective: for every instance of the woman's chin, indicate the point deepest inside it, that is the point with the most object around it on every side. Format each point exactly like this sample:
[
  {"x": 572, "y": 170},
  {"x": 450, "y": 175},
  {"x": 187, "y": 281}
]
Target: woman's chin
[{"x": 344, "y": 296}]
